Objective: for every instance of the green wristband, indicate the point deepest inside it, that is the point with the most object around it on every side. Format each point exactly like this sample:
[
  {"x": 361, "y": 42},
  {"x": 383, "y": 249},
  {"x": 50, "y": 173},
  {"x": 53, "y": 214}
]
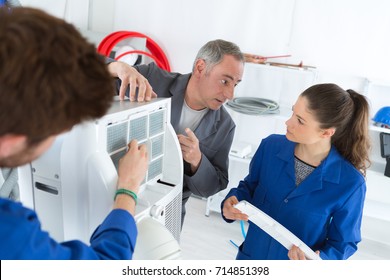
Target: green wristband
[{"x": 127, "y": 192}]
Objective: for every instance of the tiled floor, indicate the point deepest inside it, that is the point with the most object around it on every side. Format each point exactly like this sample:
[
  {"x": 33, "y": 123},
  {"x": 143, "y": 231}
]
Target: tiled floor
[{"x": 210, "y": 238}]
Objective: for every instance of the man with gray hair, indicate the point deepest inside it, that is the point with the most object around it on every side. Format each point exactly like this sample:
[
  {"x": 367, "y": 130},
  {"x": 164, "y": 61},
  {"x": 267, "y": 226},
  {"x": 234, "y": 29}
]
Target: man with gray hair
[{"x": 205, "y": 129}]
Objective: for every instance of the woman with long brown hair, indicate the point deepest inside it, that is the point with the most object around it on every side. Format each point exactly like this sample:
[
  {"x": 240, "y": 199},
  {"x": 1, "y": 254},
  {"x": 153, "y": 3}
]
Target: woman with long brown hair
[{"x": 311, "y": 180}]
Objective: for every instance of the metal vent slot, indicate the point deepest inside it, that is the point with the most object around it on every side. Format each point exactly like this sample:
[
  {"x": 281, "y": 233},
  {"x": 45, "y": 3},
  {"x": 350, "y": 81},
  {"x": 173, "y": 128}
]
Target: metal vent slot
[
  {"x": 173, "y": 216},
  {"x": 116, "y": 137},
  {"x": 138, "y": 129},
  {"x": 46, "y": 188},
  {"x": 156, "y": 121}
]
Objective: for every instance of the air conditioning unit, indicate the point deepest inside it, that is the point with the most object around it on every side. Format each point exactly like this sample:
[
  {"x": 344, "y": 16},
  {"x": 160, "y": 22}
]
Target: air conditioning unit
[{"x": 72, "y": 186}]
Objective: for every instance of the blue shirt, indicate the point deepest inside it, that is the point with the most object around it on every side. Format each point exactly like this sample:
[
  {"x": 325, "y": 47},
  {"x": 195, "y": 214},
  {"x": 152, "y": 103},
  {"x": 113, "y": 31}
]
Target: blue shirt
[
  {"x": 324, "y": 210},
  {"x": 21, "y": 237}
]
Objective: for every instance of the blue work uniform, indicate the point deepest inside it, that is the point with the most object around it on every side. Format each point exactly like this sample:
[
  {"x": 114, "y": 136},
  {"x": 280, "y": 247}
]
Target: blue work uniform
[
  {"x": 21, "y": 237},
  {"x": 324, "y": 210}
]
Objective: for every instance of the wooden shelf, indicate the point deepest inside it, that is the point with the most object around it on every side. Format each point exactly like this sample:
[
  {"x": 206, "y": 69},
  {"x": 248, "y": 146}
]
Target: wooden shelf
[{"x": 379, "y": 129}]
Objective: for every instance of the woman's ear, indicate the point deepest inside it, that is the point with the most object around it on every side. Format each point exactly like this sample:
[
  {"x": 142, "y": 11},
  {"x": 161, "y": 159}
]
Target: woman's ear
[{"x": 328, "y": 132}]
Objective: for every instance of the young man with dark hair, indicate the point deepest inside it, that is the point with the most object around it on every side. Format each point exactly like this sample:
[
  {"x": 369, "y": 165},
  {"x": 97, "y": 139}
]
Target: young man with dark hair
[{"x": 51, "y": 78}]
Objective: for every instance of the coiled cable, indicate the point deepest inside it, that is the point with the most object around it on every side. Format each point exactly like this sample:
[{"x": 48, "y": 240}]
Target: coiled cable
[
  {"x": 253, "y": 105},
  {"x": 109, "y": 42}
]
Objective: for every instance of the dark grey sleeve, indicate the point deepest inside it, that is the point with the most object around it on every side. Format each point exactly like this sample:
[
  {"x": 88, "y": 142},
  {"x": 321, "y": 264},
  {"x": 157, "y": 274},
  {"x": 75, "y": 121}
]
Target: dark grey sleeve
[{"x": 212, "y": 174}]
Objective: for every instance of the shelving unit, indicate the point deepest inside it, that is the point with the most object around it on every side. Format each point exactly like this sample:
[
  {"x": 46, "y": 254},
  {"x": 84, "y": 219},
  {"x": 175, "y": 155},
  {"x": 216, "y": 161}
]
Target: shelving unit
[{"x": 376, "y": 215}]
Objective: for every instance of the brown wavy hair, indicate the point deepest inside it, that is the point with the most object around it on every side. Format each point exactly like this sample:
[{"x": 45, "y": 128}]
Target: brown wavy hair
[
  {"x": 348, "y": 112},
  {"x": 51, "y": 78}
]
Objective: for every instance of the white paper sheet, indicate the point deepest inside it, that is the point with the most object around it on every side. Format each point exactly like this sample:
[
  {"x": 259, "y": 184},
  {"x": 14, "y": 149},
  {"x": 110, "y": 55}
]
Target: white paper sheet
[{"x": 274, "y": 229}]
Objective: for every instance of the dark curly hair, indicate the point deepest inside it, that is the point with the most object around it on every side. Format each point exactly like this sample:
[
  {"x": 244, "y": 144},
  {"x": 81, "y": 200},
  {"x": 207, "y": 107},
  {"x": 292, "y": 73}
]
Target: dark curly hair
[{"x": 51, "y": 78}]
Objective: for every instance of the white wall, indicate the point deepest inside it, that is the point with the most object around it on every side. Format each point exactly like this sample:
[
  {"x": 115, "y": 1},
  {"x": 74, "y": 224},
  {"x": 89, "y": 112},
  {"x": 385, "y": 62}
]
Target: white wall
[
  {"x": 347, "y": 40},
  {"x": 344, "y": 39},
  {"x": 75, "y": 11}
]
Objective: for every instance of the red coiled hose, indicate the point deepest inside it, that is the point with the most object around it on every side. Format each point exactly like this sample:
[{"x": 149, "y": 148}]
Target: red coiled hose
[{"x": 156, "y": 53}]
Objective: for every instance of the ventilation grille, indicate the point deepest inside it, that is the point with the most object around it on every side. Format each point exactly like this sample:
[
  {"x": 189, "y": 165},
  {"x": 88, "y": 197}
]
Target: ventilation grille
[
  {"x": 156, "y": 123},
  {"x": 173, "y": 216},
  {"x": 147, "y": 129},
  {"x": 155, "y": 169},
  {"x": 138, "y": 129},
  {"x": 116, "y": 137},
  {"x": 157, "y": 146}
]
